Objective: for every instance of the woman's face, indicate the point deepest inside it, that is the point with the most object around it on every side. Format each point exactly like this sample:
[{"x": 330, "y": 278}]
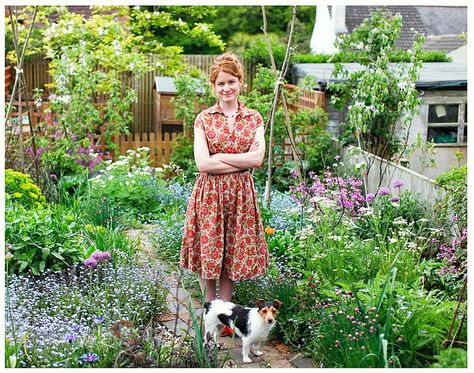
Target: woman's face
[{"x": 227, "y": 87}]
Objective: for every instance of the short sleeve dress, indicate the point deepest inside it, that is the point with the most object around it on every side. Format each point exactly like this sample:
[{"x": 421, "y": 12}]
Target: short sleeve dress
[{"x": 223, "y": 228}]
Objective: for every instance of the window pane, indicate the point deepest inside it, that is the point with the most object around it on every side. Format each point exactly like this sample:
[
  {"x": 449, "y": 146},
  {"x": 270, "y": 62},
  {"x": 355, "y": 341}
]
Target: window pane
[
  {"x": 465, "y": 113},
  {"x": 464, "y": 136},
  {"x": 443, "y": 135},
  {"x": 443, "y": 113}
]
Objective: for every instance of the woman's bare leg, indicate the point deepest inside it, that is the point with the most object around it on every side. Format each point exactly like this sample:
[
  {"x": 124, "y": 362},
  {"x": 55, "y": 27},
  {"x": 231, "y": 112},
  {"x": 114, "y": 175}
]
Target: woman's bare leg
[
  {"x": 208, "y": 287},
  {"x": 226, "y": 286}
]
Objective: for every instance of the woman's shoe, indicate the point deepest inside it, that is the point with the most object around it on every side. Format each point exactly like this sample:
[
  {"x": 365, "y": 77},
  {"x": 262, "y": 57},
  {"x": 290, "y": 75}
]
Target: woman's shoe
[{"x": 227, "y": 332}]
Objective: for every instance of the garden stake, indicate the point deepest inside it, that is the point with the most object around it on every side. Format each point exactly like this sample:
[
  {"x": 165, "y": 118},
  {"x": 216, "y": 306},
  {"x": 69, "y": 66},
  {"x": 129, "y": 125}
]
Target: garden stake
[
  {"x": 296, "y": 156},
  {"x": 278, "y": 83},
  {"x": 456, "y": 311},
  {"x": 18, "y": 87}
]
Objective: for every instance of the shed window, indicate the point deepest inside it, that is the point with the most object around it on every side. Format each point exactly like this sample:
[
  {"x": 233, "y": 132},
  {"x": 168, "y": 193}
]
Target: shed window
[{"x": 447, "y": 123}]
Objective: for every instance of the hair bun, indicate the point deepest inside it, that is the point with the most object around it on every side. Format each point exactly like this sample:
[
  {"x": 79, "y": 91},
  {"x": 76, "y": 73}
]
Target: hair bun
[{"x": 228, "y": 63}]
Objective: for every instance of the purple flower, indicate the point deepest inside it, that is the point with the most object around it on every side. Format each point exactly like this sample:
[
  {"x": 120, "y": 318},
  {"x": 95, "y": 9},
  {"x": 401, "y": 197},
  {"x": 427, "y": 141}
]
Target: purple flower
[
  {"x": 70, "y": 337},
  {"x": 90, "y": 262},
  {"x": 294, "y": 174},
  {"x": 395, "y": 199},
  {"x": 397, "y": 183},
  {"x": 90, "y": 358},
  {"x": 369, "y": 197},
  {"x": 53, "y": 176},
  {"x": 98, "y": 319},
  {"x": 99, "y": 256},
  {"x": 384, "y": 191}
]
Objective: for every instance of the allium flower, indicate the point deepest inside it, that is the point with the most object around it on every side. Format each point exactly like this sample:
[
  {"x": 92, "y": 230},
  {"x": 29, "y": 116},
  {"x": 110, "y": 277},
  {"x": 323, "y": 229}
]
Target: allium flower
[
  {"x": 397, "y": 183},
  {"x": 101, "y": 256},
  {"x": 395, "y": 199},
  {"x": 90, "y": 358},
  {"x": 369, "y": 197},
  {"x": 384, "y": 191},
  {"x": 90, "y": 262}
]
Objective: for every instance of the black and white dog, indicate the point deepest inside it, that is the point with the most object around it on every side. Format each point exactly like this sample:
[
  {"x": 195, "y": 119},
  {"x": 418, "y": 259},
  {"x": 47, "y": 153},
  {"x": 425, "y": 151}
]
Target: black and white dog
[{"x": 251, "y": 324}]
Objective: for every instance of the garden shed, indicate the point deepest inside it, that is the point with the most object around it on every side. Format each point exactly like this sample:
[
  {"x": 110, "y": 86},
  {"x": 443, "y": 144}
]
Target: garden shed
[
  {"x": 442, "y": 117},
  {"x": 164, "y": 117}
]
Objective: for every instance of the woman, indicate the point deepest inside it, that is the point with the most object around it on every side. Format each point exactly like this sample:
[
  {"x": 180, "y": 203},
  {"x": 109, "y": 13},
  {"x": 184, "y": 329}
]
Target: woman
[{"x": 223, "y": 232}]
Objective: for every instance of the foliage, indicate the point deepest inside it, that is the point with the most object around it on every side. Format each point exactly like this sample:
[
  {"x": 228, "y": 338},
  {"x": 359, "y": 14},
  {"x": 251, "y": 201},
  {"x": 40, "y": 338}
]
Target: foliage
[
  {"x": 278, "y": 18},
  {"x": 182, "y": 27},
  {"x": 311, "y": 125},
  {"x": 395, "y": 55},
  {"x": 193, "y": 94},
  {"x": 451, "y": 358},
  {"x": 42, "y": 239},
  {"x": 318, "y": 147},
  {"x": 97, "y": 238},
  {"x": 61, "y": 317},
  {"x": 381, "y": 94},
  {"x": 254, "y": 48},
  {"x": 183, "y": 156},
  {"x": 21, "y": 189},
  {"x": 130, "y": 184}
]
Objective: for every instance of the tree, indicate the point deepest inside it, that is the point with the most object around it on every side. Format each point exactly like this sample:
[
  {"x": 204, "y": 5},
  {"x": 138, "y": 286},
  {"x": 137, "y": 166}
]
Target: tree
[{"x": 381, "y": 93}]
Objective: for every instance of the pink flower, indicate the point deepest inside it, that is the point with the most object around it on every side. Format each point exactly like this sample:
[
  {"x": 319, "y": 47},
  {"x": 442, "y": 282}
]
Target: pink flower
[
  {"x": 100, "y": 256},
  {"x": 90, "y": 262},
  {"x": 395, "y": 199},
  {"x": 369, "y": 197},
  {"x": 397, "y": 183},
  {"x": 384, "y": 191}
]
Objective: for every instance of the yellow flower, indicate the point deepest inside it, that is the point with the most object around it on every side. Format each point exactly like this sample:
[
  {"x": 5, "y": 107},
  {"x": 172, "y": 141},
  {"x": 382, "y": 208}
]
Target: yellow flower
[
  {"x": 269, "y": 230},
  {"x": 100, "y": 229},
  {"x": 34, "y": 196},
  {"x": 89, "y": 227},
  {"x": 17, "y": 195}
]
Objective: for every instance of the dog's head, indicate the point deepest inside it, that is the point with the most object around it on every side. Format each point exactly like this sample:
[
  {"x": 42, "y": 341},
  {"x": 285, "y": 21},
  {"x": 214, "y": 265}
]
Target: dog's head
[{"x": 268, "y": 310}]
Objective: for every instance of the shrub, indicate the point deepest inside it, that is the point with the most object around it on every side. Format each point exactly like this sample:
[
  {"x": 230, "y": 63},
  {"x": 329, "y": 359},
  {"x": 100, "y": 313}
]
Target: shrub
[
  {"x": 451, "y": 358},
  {"x": 42, "y": 239},
  {"x": 183, "y": 156},
  {"x": 130, "y": 184},
  {"x": 21, "y": 189}
]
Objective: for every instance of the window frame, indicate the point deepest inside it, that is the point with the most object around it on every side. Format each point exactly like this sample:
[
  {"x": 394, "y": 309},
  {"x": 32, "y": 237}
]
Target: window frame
[{"x": 460, "y": 124}]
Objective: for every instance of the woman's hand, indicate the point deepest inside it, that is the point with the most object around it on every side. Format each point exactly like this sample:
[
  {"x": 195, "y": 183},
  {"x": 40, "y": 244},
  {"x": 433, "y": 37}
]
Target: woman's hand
[{"x": 254, "y": 147}]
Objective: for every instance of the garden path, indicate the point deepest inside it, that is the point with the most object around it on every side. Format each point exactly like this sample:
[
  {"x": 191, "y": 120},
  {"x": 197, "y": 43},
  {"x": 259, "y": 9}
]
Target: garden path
[{"x": 178, "y": 320}]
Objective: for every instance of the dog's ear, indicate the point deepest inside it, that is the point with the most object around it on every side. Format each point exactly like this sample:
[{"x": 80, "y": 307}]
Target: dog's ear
[
  {"x": 277, "y": 304},
  {"x": 260, "y": 303}
]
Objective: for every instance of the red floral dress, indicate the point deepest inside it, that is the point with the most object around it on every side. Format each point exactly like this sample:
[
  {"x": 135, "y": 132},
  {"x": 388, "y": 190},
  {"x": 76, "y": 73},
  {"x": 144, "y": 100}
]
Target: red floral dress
[{"x": 223, "y": 228}]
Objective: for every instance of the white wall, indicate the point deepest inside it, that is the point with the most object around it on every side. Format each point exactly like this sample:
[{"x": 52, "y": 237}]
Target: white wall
[{"x": 382, "y": 173}]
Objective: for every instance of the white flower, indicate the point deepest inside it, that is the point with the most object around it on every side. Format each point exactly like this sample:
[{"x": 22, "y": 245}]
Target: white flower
[
  {"x": 401, "y": 85},
  {"x": 400, "y": 221},
  {"x": 392, "y": 240}
]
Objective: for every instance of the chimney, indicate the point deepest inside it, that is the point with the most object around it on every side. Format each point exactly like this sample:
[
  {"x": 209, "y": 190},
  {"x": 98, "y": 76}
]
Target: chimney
[
  {"x": 323, "y": 37},
  {"x": 339, "y": 19}
]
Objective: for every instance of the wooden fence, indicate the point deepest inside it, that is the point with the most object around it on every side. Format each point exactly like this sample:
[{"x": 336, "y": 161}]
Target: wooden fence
[
  {"x": 160, "y": 145},
  {"x": 37, "y": 76},
  {"x": 143, "y": 131}
]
